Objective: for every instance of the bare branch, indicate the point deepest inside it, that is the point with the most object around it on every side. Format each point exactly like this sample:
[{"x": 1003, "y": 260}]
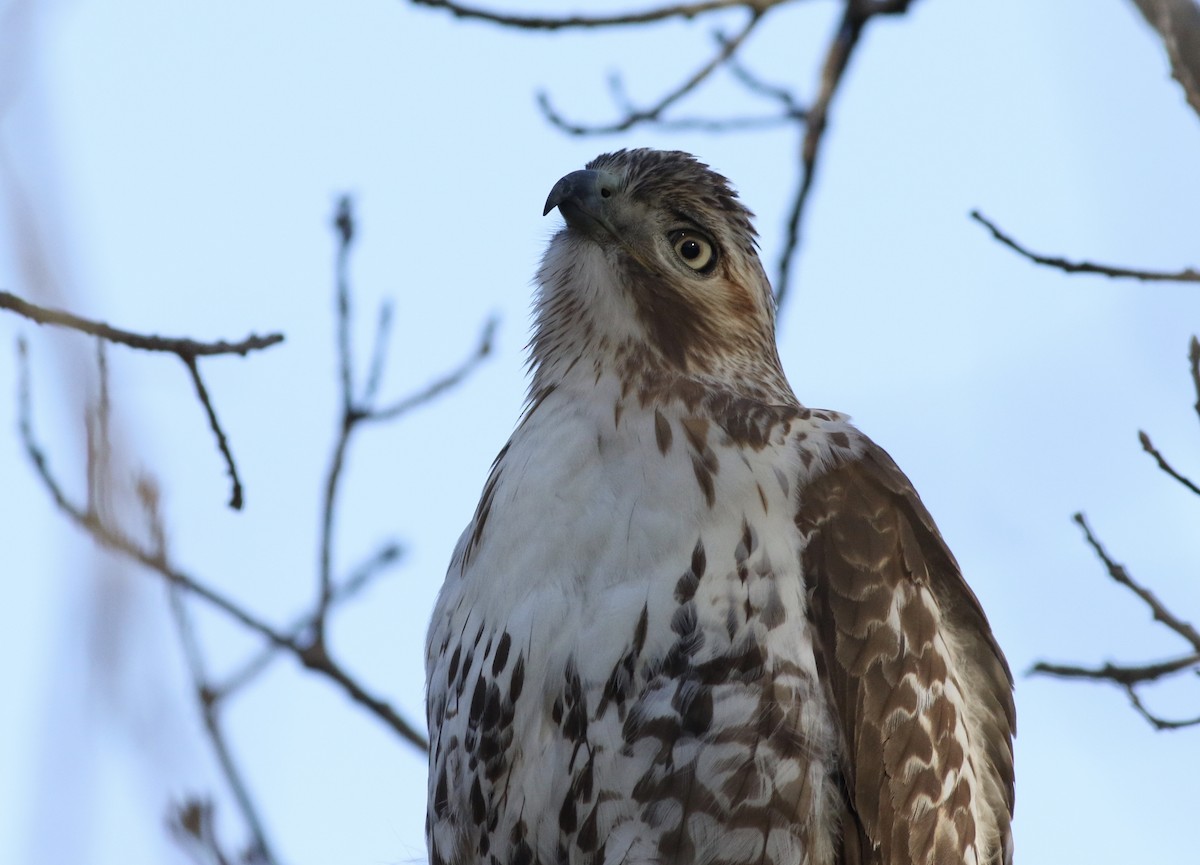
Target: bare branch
[
  {"x": 635, "y": 116},
  {"x": 312, "y": 655},
  {"x": 344, "y": 224},
  {"x": 383, "y": 332},
  {"x": 193, "y": 823},
  {"x": 1185, "y": 275},
  {"x": 235, "y": 494},
  {"x": 1149, "y": 448},
  {"x": 792, "y": 109},
  {"x": 1158, "y": 722},
  {"x": 1128, "y": 675},
  {"x": 1194, "y": 362},
  {"x": 187, "y": 350},
  {"x": 837, "y": 58},
  {"x": 359, "y": 579},
  {"x": 1178, "y": 23},
  {"x": 535, "y": 22},
  {"x": 436, "y": 388},
  {"x": 1121, "y": 576},
  {"x": 142, "y": 342},
  {"x": 260, "y": 849}
]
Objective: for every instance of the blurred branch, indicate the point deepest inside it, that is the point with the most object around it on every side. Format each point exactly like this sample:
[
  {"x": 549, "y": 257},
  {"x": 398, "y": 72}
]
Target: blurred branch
[
  {"x": 311, "y": 654},
  {"x": 1178, "y": 23},
  {"x": 187, "y": 350},
  {"x": 1149, "y": 448},
  {"x": 184, "y": 347},
  {"x": 535, "y": 22},
  {"x": 358, "y": 409},
  {"x": 1186, "y": 275},
  {"x": 857, "y": 15},
  {"x": 727, "y": 47},
  {"x": 375, "y": 566}
]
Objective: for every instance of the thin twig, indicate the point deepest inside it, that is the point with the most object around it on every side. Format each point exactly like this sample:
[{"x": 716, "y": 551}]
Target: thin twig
[
  {"x": 636, "y": 116},
  {"x": 1120, "y": 575},
  {"x": 535, "y": 22},
  {"x": 792, "y": 109},
  {"x": 716, "y": 125},
  {"x": 383, "y": 333},
  {"x": 436, "y": 388},
  {"x": 143, "y": 342},
  {"x": 1158, "y": 722},
  {"x": 1194, "y": 362},
  {"x": 260, "y": 848},
  {"x": 344, "y": 224},
  {"x": 1149, "y": 448},
  {"x": 1185, "y": 275},
  {"x": 235, "y": 493}
]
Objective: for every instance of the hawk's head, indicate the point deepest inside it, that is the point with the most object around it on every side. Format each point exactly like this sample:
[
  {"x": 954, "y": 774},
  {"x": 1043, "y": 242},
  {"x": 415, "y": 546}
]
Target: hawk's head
[{"x": 658, "y": 257}]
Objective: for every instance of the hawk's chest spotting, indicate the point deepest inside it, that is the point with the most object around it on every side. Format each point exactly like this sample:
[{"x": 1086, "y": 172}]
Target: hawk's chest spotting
[{"x": 622, "y": 657}]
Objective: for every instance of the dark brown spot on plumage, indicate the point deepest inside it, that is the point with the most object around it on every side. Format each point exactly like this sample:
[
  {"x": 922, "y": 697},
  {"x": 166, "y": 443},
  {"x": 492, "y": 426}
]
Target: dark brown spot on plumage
[
  {"x": 662, "y": 432},
  {"x": 704, "y": 477},
  {"x": 566, "y": 814},
  {"x": 518, "y": 679},
  {"x": 478, "y": 699},
  {"x": 501, "y": 656},
  {"x": 588, "y": 835},
  {"x": 478, "y": 806},
  {"x": 441, "y": 802},
  {"x": 840, "y": 439}
]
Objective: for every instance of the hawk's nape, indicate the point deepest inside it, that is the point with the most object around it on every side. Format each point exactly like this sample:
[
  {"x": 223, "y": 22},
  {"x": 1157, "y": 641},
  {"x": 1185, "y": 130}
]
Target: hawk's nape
[{"x": 693, "y": 621}]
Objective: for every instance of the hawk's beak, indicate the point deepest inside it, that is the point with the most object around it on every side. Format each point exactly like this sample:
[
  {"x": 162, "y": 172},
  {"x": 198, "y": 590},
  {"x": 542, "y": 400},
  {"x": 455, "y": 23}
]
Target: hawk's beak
[{"x": 580, "y": 198}]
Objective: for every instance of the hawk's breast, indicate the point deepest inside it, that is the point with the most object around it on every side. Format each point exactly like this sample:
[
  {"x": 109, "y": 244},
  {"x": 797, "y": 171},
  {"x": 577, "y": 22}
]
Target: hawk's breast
[{"x": 620, "y": 667}]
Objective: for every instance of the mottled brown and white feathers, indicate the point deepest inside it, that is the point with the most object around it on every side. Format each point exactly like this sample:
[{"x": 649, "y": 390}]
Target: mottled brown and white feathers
[{"x": 692, "y": 620}]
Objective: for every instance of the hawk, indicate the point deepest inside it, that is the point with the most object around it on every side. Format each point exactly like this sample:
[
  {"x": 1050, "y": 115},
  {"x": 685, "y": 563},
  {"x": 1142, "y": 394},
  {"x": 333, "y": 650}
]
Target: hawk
[{"x": 693, "y": 621}]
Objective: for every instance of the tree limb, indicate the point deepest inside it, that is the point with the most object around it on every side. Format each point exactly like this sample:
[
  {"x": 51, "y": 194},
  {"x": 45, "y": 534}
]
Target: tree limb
[{"x": 1185, "y": 275}]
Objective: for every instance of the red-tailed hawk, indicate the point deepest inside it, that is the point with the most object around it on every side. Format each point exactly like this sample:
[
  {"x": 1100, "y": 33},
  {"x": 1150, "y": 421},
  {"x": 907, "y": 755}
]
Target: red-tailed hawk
[{"x": 693, "y": 621}]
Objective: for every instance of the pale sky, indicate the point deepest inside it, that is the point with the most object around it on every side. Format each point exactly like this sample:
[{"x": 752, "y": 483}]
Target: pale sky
[{"x": 180, "y": 162}]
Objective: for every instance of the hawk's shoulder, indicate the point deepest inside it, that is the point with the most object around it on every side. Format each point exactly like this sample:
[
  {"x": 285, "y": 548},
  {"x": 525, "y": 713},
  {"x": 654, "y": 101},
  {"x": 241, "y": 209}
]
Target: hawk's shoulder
[{"x": 922, "y": 692}]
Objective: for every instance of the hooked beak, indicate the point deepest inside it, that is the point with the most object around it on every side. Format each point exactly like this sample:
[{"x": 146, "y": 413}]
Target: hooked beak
[{"x": 581, "y": 198}]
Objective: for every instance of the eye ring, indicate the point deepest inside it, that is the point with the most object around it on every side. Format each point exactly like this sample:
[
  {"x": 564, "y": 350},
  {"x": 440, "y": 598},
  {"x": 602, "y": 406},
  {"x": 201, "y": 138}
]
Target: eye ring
[{"x": 695, "y": 250}]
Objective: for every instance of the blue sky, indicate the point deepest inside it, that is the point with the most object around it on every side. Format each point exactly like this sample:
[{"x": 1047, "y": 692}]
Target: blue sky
[{"x": 180, "y": 163}]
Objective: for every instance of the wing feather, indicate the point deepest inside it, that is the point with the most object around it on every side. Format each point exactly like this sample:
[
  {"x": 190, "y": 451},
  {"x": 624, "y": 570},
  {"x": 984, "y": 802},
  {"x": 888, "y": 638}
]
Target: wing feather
[{"x": 922, "y": 691}]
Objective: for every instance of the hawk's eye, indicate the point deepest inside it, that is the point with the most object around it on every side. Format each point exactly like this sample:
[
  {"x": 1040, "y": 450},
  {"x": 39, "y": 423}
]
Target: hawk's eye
[{"x": 694, "y": 249}]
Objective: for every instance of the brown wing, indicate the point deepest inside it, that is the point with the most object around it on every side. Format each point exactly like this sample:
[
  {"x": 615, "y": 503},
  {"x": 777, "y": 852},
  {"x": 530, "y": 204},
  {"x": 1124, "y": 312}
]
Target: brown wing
[{"x": 922, "y": 691}]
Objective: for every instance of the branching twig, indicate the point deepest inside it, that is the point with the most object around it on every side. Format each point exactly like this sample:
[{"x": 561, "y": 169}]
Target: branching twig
[
  {"x": 636, "y": 116},
  {"x": 187, "y": 350},
  {"x": 359, "y": 409},
  {"x": 1130, "y": 676},
  {"x": 385, "y": 557},
  {"x": 111, "y": 537},
  {"x": 483, "y": 347},
  {"x": 1185, "y": 275},
  {"x": 1121, "y": 576},
  {"x": 260, "y": 849}
]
